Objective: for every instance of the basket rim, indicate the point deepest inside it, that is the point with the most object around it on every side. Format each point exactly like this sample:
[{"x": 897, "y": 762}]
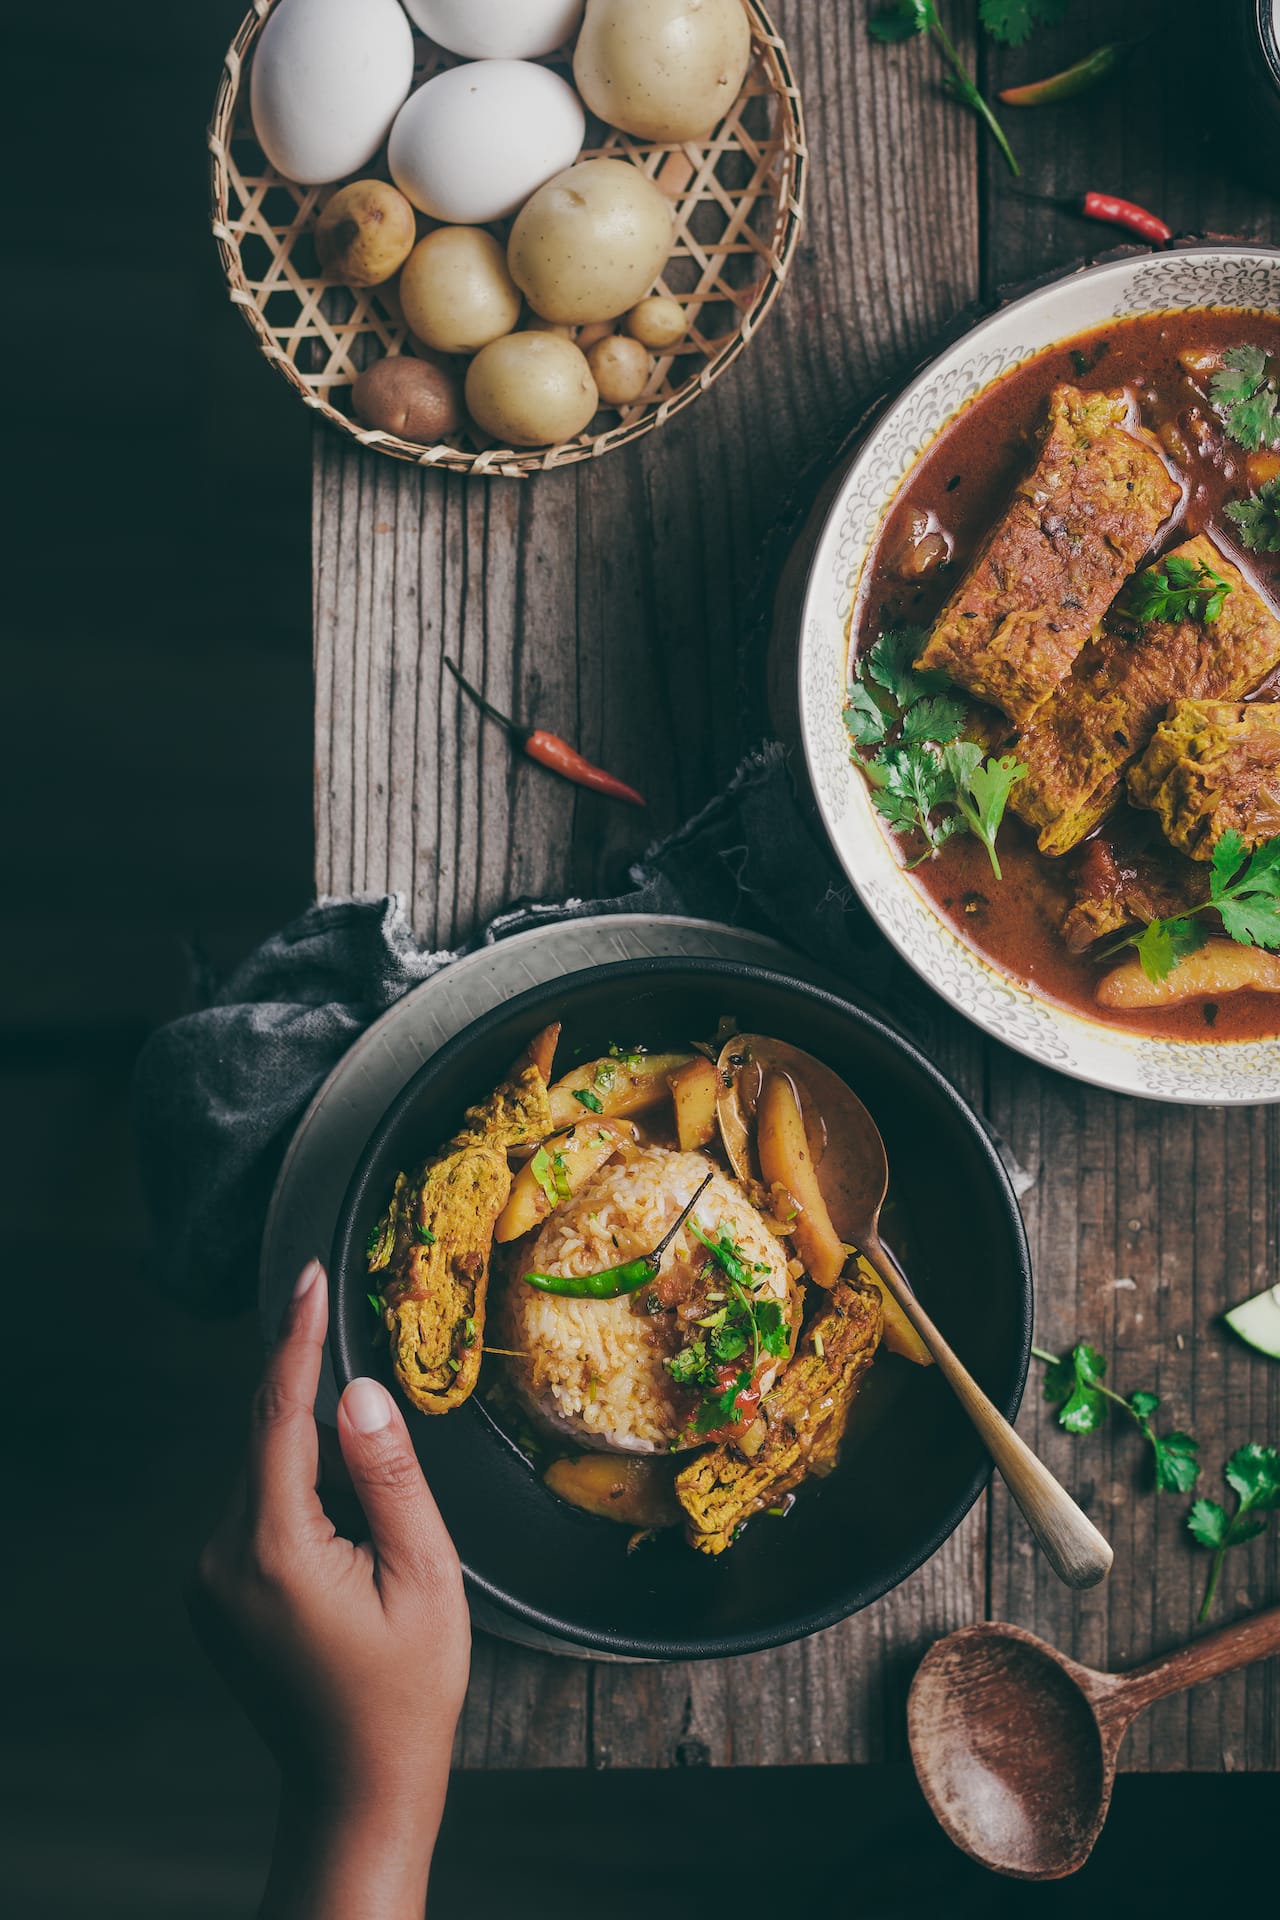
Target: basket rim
[{"x": 768, "y": 48}]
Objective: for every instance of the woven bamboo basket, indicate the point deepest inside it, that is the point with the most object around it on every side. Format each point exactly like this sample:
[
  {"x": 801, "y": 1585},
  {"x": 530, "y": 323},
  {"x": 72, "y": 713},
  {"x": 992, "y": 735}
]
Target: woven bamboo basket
[{"x": 737, "y": 200}]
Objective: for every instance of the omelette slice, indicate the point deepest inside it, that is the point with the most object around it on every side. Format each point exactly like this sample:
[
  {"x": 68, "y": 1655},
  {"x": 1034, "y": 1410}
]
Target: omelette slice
[{"x": 435, "y": 1241}]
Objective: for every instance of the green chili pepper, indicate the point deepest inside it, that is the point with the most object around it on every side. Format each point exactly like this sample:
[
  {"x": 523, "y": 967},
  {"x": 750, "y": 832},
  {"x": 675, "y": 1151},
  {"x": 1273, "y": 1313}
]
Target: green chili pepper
[
  {"x": 613, "y": 1282},
  {"x": 1066, "y": 85}
]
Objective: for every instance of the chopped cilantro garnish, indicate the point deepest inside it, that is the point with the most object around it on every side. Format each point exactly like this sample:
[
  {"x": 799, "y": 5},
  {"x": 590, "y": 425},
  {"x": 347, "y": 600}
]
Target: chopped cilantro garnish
[
  {"x": 589, "y": 1100},
  {"x": 540, "y": 1167},
  {"x": 1258, "y": 518},
  {"x": 1177, "y": 589},
  {"x": 1245, "y": 396},
  {"x": 423, "y": 1234}
]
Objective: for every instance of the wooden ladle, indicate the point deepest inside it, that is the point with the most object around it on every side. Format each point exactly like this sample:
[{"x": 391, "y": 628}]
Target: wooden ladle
[
  {"x": 1015, "y": 1745},
  {"x": 854, "y": 1179}
]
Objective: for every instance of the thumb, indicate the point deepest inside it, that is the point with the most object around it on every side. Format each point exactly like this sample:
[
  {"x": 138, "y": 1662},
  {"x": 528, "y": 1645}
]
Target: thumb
[{"x": 409, "y": 1537}]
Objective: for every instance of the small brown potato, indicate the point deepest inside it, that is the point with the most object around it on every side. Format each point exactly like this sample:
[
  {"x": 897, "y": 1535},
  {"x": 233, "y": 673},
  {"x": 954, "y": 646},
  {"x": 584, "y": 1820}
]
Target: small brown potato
[
  {"x": 694, "y": 1088},
  {"x": 456, "y": 292},
  {"x": 365, "y": 233},
  {"x": 577, "y": 1154},
  {"x": 591, "y": 242},
  {"x": 409, "y": 397},
  {"x": 662, "y": 69},
  {"x": 619, "y": 1087},
  {"x": 1220, "y": 966},
  {"x": 620, "y": 368},
  {"x": 539, "y": 1053},
  {"x": 899, "y": 1336},
  {"x": 593, "y": 331},
  {"x": 656, "y": 322},
  {"x": 783, "y": 1148},
  {"x": 530, "y": 389},
  {"x": 636, "y": 1491}
]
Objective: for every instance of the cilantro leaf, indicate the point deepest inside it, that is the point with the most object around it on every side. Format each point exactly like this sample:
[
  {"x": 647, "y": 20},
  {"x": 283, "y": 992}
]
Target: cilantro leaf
[
  {"x": 1177, "y": 1468},
  {"x": 1014, "y": 21},
  {"x": 902, "y": 19},
  {"x": 1078, "y": 1378},
  {"x": 982, "y": 791},
  {"x": 1247, "y": 894},
  {"x": 939, "y": 716},
  {"x": 891, "y": 663},
  {"x": 1177, "y": 589},
  {"x": 1144, "y": 1404},
  {"x": 590, "y": 1101},
  {"x": 1162, "y": 943},
  {"x": 1258, "y": 518},
  {"x": 1254, "y": 1473},
  {"x": 907, "y": 784},
  {"x": 1245, "y": 396},
  {"x": 865, "y": 720},
  {"x": 1207, "y": 1523},
  {"x": 540, "y": 1167}
]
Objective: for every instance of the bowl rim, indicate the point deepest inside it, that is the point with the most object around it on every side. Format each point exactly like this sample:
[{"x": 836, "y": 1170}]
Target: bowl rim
[
  {"x": 799, "y": 1626},
  {"x": 1109, "y": 1073}
]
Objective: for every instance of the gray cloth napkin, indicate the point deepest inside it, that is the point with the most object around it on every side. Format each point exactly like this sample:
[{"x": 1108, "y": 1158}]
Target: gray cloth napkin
[{"x": 219, "y": 1093}]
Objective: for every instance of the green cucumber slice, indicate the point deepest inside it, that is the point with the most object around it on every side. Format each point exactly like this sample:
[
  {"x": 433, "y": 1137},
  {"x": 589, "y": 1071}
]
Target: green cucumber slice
[{"x": 1257, "y": 1321}]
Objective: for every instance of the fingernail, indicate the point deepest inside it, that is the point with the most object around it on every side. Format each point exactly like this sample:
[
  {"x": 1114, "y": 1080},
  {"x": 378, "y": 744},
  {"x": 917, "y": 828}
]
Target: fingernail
[
  {"x": 368, "y": 1406},
  {"x": 307, "y": 1279}
]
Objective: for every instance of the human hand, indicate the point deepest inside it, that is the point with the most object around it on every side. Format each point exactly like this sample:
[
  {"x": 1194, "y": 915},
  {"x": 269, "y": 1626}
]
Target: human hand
[{"x": 351, "y": 1660}]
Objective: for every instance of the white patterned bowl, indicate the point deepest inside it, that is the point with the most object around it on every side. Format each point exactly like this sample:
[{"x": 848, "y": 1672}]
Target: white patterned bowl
[{"x": 1220, "y": 1073}]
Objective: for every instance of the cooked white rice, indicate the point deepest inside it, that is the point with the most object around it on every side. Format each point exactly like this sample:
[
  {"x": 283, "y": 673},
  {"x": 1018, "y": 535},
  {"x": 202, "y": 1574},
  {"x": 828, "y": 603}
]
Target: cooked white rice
[{"x": 595, "y": 1369}]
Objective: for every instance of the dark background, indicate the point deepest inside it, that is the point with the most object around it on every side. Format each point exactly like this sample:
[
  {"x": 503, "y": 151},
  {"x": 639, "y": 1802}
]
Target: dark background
[{"x": 158, "y": 803}]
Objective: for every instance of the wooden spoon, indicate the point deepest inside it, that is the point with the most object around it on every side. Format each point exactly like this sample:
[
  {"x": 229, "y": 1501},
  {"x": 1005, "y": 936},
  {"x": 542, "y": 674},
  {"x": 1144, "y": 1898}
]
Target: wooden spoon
[
  {"x": 1015, "y": 1745},
  {"x": 1072, "y": 1544}
]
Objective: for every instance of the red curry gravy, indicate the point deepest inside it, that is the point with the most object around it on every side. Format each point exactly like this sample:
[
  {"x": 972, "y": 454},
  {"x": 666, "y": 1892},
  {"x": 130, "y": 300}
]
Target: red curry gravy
[{"x": 957, "y": 490}]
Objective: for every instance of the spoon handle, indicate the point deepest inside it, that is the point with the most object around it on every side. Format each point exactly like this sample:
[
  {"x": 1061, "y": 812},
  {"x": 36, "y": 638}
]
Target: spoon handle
[
  {"x": 1072, "y": 1544},
  {"x": 1239, "y": 1645}
]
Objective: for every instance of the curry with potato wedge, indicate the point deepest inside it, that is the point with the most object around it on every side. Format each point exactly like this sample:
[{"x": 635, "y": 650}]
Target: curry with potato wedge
[
  {"x": 645, "y": 1264},
  {"x": 1064, "y": 674}
]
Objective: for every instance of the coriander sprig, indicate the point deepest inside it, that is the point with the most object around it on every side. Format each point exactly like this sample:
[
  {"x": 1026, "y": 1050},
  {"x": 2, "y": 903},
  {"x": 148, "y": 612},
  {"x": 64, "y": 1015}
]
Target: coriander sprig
[
  {"x": 1253, "y": 1474},
  {"x": 1178, "y": 589},
  {"x": 1244, "y": 890},
  {"x": 1258, "y": 518},
  {"x": 1246, "y": 397},
  {"x": 1078, "y": 1382},
  {"x": 1014, "y": 21},
  {"x": 903, "y": 19},
  {"x": 926, "y": 781}
]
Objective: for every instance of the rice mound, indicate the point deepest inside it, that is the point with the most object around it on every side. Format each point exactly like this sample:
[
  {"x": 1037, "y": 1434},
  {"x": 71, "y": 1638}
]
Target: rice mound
[{"x": 595, "y": 1371}]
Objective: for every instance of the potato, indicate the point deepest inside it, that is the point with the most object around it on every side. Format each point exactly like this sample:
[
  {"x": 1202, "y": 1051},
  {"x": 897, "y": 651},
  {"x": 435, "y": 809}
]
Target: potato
[
  {"x": 530, "y": 389},
  {"x": 539, "y": 1053},
  {"x": 620, "y": 369},
  {"x": 412, "y": 398},
  {"x": 621, "y": 1086},
  {"x": 1220, "y": 966},
  {"x": 636, "y": 1491},
  {"x": 657, "y": 321},
  {"x": 783, "y": 1148},
  {"x": 365, "y": 233},
  {"x": 590, "y": 242},
  {"x": 899, "y": 1336},
  {"x": 456, "y": 292},
  {"x": 574, "y": 1155},
  {"x": 694, "y": 1089},
  {"x": 662, "y": 69}
]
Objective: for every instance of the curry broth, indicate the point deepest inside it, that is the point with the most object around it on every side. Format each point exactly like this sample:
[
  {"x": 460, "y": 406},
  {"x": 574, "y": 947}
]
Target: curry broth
[{"x": 961, "y": 484}]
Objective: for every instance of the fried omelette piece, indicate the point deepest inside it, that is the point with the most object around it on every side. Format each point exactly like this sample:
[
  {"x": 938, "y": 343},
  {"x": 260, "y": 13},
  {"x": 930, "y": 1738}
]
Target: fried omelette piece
[
  {"x": 1077, "y": 526},
  {"x": 806, "y": 1413},
  {"x": 436, "y": 1239},
  {"x": 1213, "y": 767},
  {"x": 1104, "y": 714}
]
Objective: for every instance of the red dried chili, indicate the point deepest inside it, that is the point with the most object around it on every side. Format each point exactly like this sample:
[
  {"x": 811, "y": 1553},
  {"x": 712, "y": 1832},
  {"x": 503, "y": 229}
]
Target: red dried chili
[
  {"x": 1115, "y": 212},
  {"x": 549, "y": 750}
]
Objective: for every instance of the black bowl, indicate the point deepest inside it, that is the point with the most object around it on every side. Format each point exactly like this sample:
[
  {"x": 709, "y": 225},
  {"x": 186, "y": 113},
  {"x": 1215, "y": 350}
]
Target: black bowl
[{"x": 912, "y": 1466}]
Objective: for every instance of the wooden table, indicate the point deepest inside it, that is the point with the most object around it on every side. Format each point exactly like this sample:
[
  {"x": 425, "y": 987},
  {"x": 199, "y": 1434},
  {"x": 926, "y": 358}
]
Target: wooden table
[{"x": 609, "y": 600}]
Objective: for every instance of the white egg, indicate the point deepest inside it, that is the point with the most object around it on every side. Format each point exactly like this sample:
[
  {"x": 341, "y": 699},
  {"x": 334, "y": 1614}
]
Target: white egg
[
  {"x": 498, "y": 29},
  {"x": 328, "y": 79},
  {"x": 475, "y": 142}
]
